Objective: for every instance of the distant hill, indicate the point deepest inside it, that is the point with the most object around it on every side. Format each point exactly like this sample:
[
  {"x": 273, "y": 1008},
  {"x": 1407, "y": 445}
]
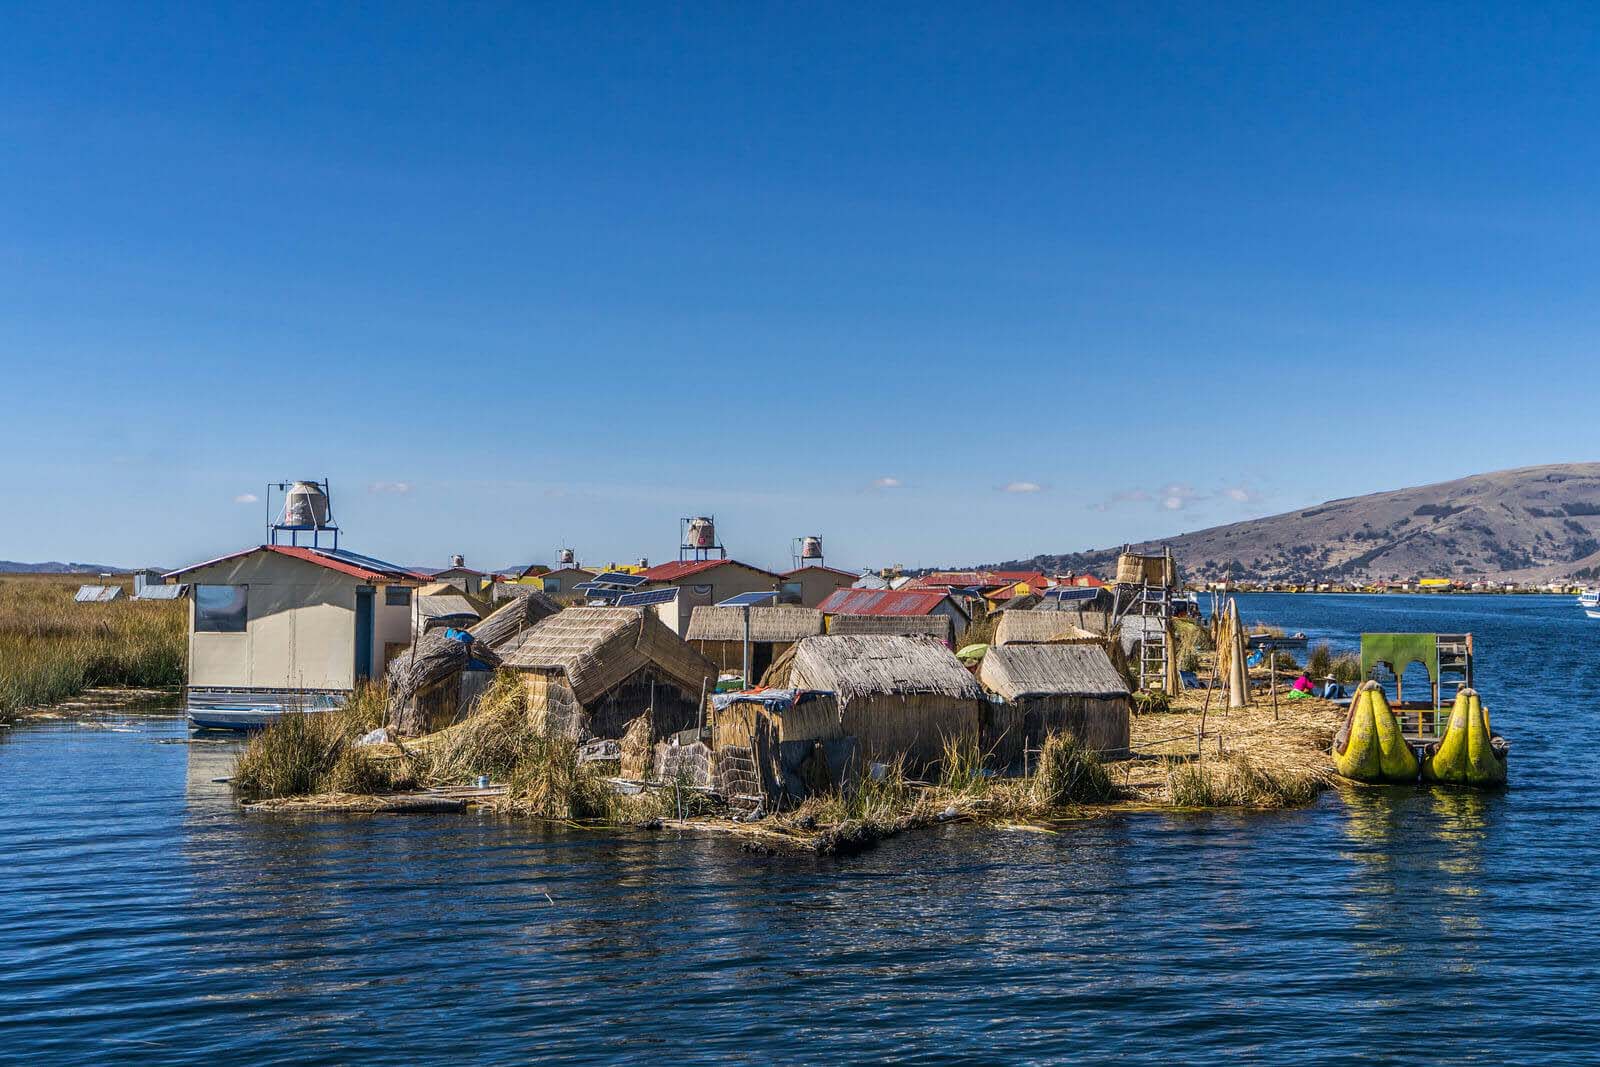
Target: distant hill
[
  {"x": 9, "y": 566},
  {"x": 1530, "y": 523}
]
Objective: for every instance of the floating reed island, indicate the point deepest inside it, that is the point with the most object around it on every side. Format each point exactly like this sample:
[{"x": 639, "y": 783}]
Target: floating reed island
[{"x": 602, "y": 716}]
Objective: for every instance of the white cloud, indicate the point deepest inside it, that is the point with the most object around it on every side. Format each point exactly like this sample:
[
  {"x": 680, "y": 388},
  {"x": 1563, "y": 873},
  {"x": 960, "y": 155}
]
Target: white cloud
[
  {"x": 1240, "y": 494},
  {"x": 1176, "y": 497},
  {"x": 247, "y": 498},
  {"x": 888, "y": 482},
  {"x": 389, "y": 487},
  {"x": 1023, "y": 487}
]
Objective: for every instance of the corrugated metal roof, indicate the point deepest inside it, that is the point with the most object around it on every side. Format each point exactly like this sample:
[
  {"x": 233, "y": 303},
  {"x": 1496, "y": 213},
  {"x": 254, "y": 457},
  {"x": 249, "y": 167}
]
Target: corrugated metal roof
[
  {"x": 162, "y": 592},
  {"x": 367, "y": 568},
  {"x": 97, "y": 594},
  {"x": 882, "y": 601},
  {"x": 823, "y": 569},
  {"x": 671, "y": 572}
]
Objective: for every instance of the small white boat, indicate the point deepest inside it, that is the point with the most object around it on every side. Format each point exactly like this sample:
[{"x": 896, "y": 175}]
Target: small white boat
[
  {"x": 1593, "y": 613},
  {"x": 244, "y": 709},
  {"x": 1589, "y": 598}
]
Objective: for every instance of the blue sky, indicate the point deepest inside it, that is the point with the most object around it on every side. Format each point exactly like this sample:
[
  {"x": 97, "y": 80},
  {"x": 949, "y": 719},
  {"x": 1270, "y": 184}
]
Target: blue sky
[{"x": 915, "y": 277}]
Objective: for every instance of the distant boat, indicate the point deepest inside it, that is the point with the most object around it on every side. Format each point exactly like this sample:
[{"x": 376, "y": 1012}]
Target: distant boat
[
  {"x": 1589, "y": 598},
  {"x": 1593, "y": 613}
]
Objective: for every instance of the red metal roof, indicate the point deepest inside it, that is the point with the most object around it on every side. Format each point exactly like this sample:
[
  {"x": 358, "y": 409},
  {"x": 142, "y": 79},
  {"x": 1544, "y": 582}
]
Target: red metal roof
[
  {"x": 882, "y": 601},
  {"x": 323, "y": 558},
  {"x": 956, "y": 580},
  {"x": 824, "y": 569},
  {"x": 683, "y": 568}
]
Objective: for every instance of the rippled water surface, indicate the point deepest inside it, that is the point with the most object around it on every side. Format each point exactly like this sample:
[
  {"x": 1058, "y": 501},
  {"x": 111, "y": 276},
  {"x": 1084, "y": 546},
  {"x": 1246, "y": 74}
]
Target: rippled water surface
[{"x": 143, "y": 918}]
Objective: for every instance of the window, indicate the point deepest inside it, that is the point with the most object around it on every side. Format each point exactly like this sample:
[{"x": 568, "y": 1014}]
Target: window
[
  {"x": 220, "y": 609},
  {"x": 552, "y": 585},
  {"x": 793, "y": 590},
  {"x": 396, "y": 596}
]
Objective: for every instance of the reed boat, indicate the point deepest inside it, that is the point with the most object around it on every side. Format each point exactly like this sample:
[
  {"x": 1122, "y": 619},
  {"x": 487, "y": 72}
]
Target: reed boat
[
  {"x": 1370, "y": 746},
  {"x": 1419, "y": 740},
  {"x": 1470, "y": 752}
]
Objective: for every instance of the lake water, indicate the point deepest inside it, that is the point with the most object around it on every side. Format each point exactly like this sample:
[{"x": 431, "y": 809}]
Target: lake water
[{"x": 144, "y": 919}]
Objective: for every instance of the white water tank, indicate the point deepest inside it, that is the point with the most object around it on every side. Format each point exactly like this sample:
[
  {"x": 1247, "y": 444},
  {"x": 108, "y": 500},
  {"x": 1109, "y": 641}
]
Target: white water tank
[
  {"x": 566, "y": 557},
  {"x": 702, "y": 533},
  {"x": 458, "y": 560},
  {"x": 811, "y": 548},
  {"x": 305, "y": 505},
  {"x": 644, "y": 564}
]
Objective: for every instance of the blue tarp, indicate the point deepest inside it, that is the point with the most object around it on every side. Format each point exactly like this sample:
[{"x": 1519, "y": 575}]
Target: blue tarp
[{"x": 779, "y": 700}]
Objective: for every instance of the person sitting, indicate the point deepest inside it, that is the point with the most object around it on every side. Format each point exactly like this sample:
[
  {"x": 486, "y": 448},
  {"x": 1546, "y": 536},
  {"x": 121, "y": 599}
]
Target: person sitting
[
  {"x": 1302, "y": 683},
  {"x": 1331, "y": 689}
]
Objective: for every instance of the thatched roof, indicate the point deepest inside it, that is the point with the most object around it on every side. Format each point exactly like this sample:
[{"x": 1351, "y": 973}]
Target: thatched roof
[
  {"x": 444, "y": 606},
  {"x": 938, "y": 627},
  {"x": 599, "y": 648},
  {"x": 508, "y": 622},
  {"x": 1039, "y": 627},
  {"x": 862, "y": 665},
  {"x": 1017, "y": 671},
  {"x": 767, "y": 623}
]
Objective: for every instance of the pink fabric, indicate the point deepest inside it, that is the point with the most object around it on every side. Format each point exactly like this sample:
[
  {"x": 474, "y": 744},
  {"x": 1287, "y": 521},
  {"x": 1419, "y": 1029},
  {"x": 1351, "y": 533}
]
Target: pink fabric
[{"x": 1303, "y": 684}]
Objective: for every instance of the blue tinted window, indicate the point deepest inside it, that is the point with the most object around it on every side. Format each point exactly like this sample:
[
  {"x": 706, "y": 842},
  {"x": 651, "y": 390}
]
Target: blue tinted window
[{"x": 221, "y": 609}]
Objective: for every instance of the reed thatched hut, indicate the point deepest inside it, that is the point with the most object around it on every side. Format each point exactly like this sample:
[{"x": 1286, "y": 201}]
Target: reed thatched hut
[
  {"x": 898, "y": 696},
  {"x": 1052, "y": 688},
  {"x": 939, "y": 627},
  {"x": 1041, "y": 627},
  {"x": 718, "y": 634},
  {"x": 438, "y": 679},
  {"x": 777, "y": 744},
  {"x": 589, "y": 672}
]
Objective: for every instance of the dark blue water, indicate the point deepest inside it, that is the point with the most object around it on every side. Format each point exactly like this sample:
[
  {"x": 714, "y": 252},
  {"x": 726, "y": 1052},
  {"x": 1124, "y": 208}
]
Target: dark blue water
[{"x": 144, "y": 919}]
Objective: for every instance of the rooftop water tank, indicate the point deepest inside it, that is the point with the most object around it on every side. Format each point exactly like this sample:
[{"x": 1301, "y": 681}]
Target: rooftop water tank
[
  {"x": 702, "y": 533},
  {"x": 810, "y": 548},
  {"x": 458, "y": 560},
  {"x": 305, "y": 505},
  {"x": 566, "y": 557}
]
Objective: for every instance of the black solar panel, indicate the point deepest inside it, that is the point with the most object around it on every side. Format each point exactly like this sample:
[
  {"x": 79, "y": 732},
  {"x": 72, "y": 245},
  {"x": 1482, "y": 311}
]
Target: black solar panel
[{"x": 652, "y": 596}]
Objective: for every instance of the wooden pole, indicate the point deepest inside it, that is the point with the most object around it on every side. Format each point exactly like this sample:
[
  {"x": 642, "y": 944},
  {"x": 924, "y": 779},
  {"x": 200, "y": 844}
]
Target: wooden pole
[
  {"x": 1272, "y": 659},
  {"x": 746, "y": 675}
]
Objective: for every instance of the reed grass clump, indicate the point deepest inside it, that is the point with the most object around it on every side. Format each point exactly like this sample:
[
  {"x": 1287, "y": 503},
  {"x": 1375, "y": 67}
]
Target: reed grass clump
[
  {"x": 1070, "y": 773},
  {"x": 550, "y": 783},
  {"x": 1239, "y": 781},
  {"x": 52, "y": 648},
  {"x": 1346, "y": 669},
  {"x": 961, "y": 767},
  {"x": 303, "y": 753},
  {"x": 495, "y": 740}
]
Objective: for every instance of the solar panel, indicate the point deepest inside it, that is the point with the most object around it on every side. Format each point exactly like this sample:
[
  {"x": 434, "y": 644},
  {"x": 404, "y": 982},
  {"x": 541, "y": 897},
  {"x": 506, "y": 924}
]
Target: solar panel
[
  {"x": 651, "y": 596},
  {"x": 622, "y": 579},
  {"x": 1072, "y": 593},
  {"x": 744, "y": 600}
]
